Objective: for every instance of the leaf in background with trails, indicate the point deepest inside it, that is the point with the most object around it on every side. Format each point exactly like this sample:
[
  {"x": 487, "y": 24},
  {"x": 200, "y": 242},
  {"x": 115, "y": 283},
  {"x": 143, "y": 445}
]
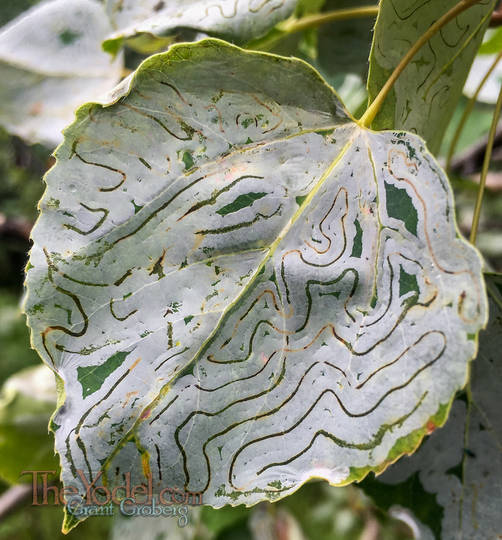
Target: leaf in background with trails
[
  {"x": 246, "y": 343},
  {"x": 27, "y": 401},
  {"x": 228, "y": 19},
  {"x": 50, "y": 63},
  {"x": 432, "y": 83},
  {"x": 453, "y": 484}
]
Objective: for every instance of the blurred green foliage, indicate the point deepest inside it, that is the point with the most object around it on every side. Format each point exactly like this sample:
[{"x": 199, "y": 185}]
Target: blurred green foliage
[
  {"x": 12, "y": 8},
  {"x": 15, "y": 351}
]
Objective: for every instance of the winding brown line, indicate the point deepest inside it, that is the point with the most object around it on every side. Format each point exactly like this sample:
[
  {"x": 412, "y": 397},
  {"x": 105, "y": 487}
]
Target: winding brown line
[
  {"x": 271, "y": 112},
  {"x": 178, "y": 93},
  {"x": 160, "y": 209},
  {"x": 116, "y": 316},
  {"x": 218, "y": 6},
  {"x": 426, "y": 226},
  {"x": 241, "y": 225},
  {"x": 347, "y": 344},
  {"x": 345, "y": 444},
  {"x": 172, "y": 356},
  {"x": 320, "y": 252},
  {"x": 212, "y": 200},
  {"x": 208, "y": 414},
  {"x": 53, "y": 268},
  {"x": 423, "y": 336},
  {"x": 77, "y": 302},
  {"x": 342, "y": 406},
  {"x": 238, "y": 380},
  {"x": 164, "y": 410},
  {"x": 220, "y": 121},
  {"x": 95, "y": 227},
  {"x": 80, "y": 424},
  {"x": 107, "y": 167},
  {"x": 156, "y": 120}
]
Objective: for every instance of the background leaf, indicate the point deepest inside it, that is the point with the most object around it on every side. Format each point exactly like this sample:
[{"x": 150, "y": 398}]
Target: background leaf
[
  {"x": 243, "y": 289},
  {"x": 430, "y": 86},
  {"x": 50, "y": 62},
  {"x": 235, "y": 21},
  {"x": 452, "y": 486}
]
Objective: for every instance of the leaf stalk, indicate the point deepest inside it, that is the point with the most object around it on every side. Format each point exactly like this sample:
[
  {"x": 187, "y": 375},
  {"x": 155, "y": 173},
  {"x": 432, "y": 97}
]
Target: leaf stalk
[
  {"x": 309, "y": 22},
  {"x": 484, "y": 171},
  {"x": 314, "y": 21}
]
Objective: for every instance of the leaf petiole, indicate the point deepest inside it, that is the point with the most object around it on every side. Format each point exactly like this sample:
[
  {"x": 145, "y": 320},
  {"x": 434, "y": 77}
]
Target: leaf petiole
[
  {"x": 484, "y": 171},
  {"x": 314, "y": 21},
  {"x": 309, "y": 22}
]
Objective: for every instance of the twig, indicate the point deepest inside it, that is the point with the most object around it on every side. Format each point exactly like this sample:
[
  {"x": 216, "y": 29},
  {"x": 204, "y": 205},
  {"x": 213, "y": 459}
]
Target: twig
[{"x": 484, "y": 172}]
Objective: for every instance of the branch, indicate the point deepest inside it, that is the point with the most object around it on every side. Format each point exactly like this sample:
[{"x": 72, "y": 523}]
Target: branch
[
  {"x": 496, "y": 19},
  {"x": 371, "y": 112}
]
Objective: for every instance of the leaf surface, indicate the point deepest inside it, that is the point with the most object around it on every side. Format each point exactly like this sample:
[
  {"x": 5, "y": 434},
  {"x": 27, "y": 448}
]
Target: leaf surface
[
  {"x": 264, "y": 339},
  {"x": 452, "y": 485},
  {"x": 432, "y": 83},
  {"x": 50, "y": 63},
  {"x": 229, "y": 19}
]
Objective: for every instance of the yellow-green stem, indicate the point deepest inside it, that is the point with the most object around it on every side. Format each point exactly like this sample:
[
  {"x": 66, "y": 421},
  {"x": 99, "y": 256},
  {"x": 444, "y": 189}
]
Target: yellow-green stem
[
  {"x": 367, "y": 119},
  {"x": 484, "y": 171},
  {"x": 312, "y": 21},
  {"x": 468, "y": 111}
]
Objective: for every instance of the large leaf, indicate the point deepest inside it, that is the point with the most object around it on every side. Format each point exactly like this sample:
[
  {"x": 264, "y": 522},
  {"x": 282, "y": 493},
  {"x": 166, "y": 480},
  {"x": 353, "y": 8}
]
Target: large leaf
[
  {"x": 230, "y": 19},
  {"x": 431, "y": 85},
  {"x": 50, "y": 63},
  {"x": 243, "y": 289},
  {"x": 453, "y": 485}
]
